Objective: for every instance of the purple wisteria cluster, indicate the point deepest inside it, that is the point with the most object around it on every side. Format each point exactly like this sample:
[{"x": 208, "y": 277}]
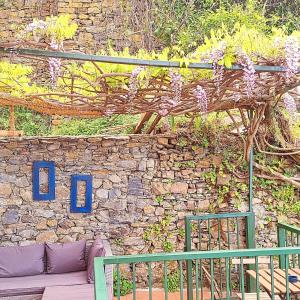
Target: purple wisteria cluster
[
  {"x": 166, "y": 105},
  {"x": 36, "y": 25},
  {"x": 201, "y": 97},
  {"x": 54, "y": 64},
  {"x": 218, "y": 70},
  {"x": 249, "y": 72},
  {"x": 290, "y": 106},
  {"x": 134, "y": 82},
  {"x": 292, "y": 57},
  {"x": 176, "y": 85}
]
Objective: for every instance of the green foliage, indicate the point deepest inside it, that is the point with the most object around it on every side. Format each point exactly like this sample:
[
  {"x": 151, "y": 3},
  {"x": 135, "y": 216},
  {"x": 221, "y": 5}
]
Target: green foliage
[
  {"x": 210, "y": 176},
  {"x": 57, "y": 28},
  {"x": 173, "y": 280},
  {"x": 96, "y": 126},
  {"x": 181, "y": 232},
  {"x": 119, "y": 242},
  {"x": 126, "y": 285},
  {"x": 285, "y": 199},
  {"x": 160, "y": 232},
  {"x": 159, "y": 199},
  {"x": 35, "y": 124},
  {"x": 29, "y": 122},
  {"x": 178, "y": 22},
  {"x": 167, "y": 246},
  {"x": 208, "y": 129}
]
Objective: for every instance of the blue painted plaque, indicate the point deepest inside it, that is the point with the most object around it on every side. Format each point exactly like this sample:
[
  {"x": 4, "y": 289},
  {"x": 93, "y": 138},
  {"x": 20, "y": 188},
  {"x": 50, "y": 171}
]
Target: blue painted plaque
[
  {"x": 88, "y": 193},
  {"x": 36, "y": 193}
]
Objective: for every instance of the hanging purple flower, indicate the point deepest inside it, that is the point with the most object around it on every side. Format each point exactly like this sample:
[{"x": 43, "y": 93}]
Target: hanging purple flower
[
  {"x": 109, "y": 111},
  {"x": 218, "y": 70},
  {"x": 35, "y": 28},
  {"x": 201, "y": 97},
  {"x": 166, "y": 105},
  {"x": 35, "y": 25},
  {"x": 290, "y": 106},
  {"x": 176, "y": 85},
  {"x": 292, "y": 57},
  {"x": 54, "y": 65},
  {"x": 134, "y": 83},
  {"x": 249, "y": 72}
]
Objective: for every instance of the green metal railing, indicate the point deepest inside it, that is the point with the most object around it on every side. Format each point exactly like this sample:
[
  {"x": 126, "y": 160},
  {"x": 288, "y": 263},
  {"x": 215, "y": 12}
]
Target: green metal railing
[
  {"x": 288, "y": 236},
  {"x": 218, "y": 232},
  {"x": 152, "y": 271}
]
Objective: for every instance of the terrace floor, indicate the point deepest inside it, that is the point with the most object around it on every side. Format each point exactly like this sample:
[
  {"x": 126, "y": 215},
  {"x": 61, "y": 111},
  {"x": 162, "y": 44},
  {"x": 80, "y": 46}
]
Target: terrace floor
[{"x": 158, "y": 294}]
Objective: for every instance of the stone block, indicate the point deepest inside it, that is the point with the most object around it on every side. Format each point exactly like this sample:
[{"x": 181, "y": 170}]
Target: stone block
[
  {"x": 102, "y": 194},
  {"x": 179, "y": 188},
  {"x": 47, "y": 236},
  {"x": 160, "y": 188},
  {"x": 149, "y": 210},
  {"x": 114, "y": 178},
  {"x": 10, "y": 217},
  {"x": 5, "y": 189}
]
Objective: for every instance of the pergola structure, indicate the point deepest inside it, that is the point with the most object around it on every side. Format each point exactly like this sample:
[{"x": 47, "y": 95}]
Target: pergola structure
[{"x": 151, "y": 99}]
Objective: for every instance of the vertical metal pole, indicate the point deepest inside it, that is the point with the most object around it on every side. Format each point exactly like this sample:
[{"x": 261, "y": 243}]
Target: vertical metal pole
[
  {"x": 188, "y": 248},
  {"x": 281, "y": 236},
  {"x": 251, "y": 172},
  {"x": 250, "y": 225}
]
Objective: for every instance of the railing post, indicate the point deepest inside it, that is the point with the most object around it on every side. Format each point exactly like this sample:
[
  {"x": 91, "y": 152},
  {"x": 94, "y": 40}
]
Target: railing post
[
  {"x": 100, "y": 280},
  {"x": 281, "y": 238},
  {"x": 250, "y": 231},
  {"x": 188, "y": 248},
  {"x": 250, "y": 240}
]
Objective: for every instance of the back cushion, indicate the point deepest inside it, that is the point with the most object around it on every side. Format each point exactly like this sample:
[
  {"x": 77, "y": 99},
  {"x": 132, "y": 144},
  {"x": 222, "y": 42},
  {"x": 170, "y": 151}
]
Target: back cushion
[
  {"x": 22, "y": 260},
  {"x": 65, "y": 258},
  {"x": 96, "y": 250}
]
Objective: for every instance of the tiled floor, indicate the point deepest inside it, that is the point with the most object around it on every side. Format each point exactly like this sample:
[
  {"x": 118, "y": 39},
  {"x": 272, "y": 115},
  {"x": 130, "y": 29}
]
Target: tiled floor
[{"x": 160, "y": 295}]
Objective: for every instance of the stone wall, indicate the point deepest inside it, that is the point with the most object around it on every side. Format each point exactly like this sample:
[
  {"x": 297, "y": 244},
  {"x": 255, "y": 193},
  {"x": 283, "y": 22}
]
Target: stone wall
[
  {"x": 141, "y": 185},
  {"x": 99, "y": 21},
  {"x": 20, "y": 12}
]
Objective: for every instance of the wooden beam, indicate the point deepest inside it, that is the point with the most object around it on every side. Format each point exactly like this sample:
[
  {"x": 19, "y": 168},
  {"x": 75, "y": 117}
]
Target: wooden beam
[
  {"x": 10, "y": 133},
  {"x": 12, "y": 126},
  {"x": 153, "y": 125},
  {"x": 140, "y": 125}
]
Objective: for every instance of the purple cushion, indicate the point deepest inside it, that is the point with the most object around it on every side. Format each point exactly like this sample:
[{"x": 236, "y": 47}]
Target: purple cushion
[
  {"x": 22, "y": 260},
  {"x": 97, "y": 249},
  {"x": 29, "y": 285},
  {"x": 65, "y": 258}
]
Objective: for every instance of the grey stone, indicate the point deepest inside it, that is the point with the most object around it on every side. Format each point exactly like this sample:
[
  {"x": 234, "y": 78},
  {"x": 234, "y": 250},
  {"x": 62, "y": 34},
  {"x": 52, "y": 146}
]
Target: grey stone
[
  {"x": 102, "y": 194},
  {"x": 135, "y": 186},
  {"x": 114, "y": 193},
  {"x": 44, "y": 213},
  {"x": 10, "y": 217},
  {"x": 127, "y": 164}
]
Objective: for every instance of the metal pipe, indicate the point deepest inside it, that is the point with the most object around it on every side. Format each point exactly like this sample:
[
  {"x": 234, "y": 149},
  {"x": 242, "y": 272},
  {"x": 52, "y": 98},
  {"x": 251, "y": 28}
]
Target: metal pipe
[{"x": 128, "y": 61}]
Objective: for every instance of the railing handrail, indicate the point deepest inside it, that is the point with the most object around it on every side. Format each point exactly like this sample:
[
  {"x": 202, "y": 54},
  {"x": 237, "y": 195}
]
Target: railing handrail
[
  {"x": 158, "y": 257},
  {"x": 218, "y": 216},
  {"x": 288, "y": 227}
]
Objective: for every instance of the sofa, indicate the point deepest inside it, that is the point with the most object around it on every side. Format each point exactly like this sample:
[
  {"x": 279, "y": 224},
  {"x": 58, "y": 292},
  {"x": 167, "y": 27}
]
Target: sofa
[{"x": 30, "y": 270}]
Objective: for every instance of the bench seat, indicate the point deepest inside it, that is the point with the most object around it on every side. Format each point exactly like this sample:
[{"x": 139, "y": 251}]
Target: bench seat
[
  {"x": 27, "y": 285},
  {"x": 253, "y": 296}
]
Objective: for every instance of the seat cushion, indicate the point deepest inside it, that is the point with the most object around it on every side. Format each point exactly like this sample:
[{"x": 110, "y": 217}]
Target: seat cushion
[
  {"x": 65, "y": 258},
  {"x": 22, "y": 260},
  {"x": 74, "y": 292},
  {"x": 36, "y": 284}
]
